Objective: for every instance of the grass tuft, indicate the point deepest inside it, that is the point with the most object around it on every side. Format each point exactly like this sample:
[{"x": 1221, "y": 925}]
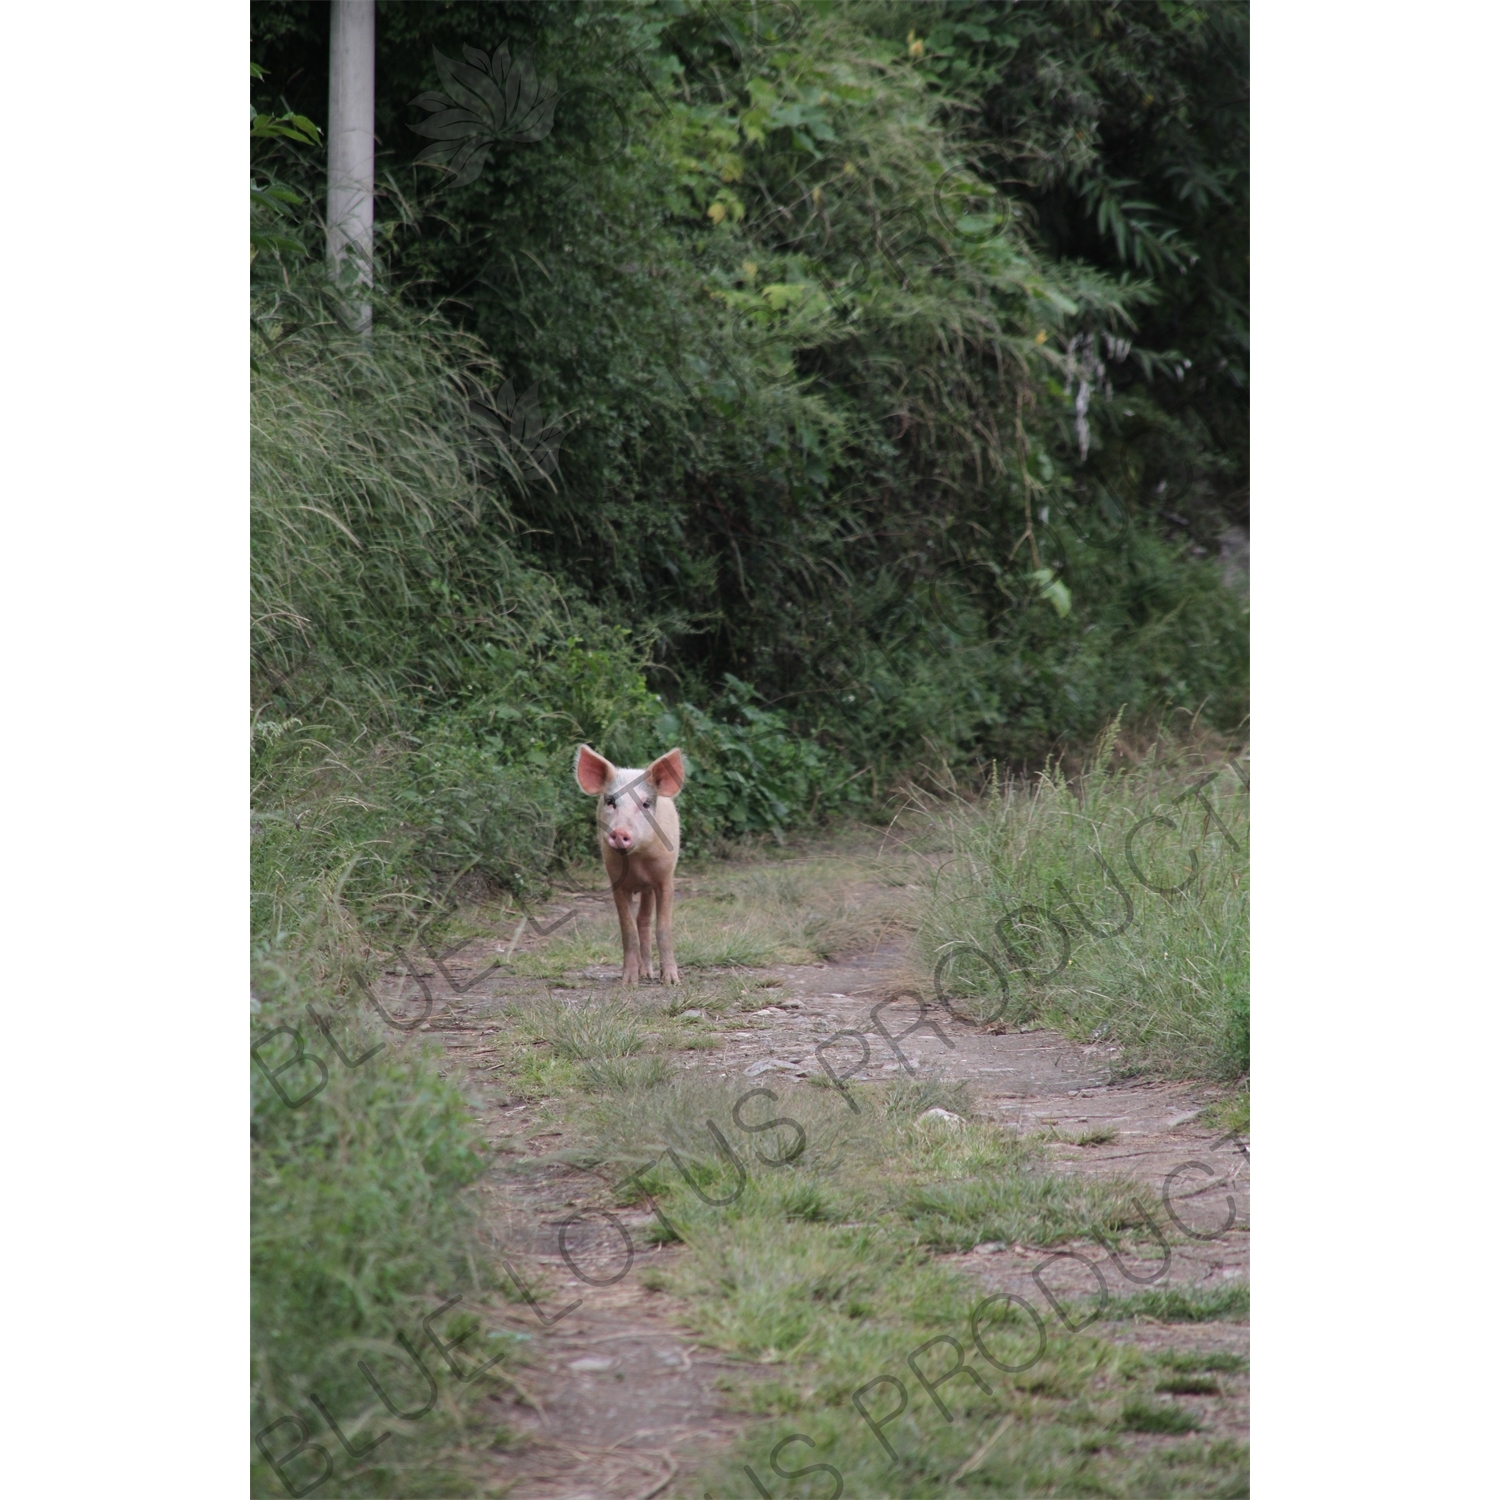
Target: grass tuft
[
  {"x": 1229, "y": 1304},
  {"x": 1188, "y": 1385},
  {"x": 1152, "y": 1416}
]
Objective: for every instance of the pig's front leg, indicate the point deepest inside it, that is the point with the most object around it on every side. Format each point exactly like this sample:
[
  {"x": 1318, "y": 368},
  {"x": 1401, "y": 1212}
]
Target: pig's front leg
[
  {"x": 664, "y": 948},
  {"x": 628, "y": 937},
  {"x": 643, "y": 929}
]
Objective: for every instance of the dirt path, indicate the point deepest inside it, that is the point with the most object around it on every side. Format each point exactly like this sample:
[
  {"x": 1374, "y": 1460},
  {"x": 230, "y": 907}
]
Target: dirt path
[{"x": 618, "y": 1400}]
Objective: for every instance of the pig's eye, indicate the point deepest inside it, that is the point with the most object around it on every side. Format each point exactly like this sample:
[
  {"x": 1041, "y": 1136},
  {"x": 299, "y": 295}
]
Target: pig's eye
[{"x": 609, "y": 801}]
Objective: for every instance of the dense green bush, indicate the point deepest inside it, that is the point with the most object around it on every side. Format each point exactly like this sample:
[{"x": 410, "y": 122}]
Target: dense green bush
[
  {"x": 753, "y": 776},
  {"x": 1123, "y": 132},
  {"x": 360, "y": 1227},
  {"x": 849, "y": 412}
]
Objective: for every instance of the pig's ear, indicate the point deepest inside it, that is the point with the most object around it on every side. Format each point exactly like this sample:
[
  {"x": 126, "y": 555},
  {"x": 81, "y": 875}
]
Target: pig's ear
[
  {"x": 666, "y": 773},
  {"x": 594, "y": 773}
]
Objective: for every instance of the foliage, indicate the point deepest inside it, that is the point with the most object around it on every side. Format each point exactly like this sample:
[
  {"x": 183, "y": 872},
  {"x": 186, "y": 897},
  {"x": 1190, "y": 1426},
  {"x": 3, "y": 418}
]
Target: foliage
[
  {"x": 390, "y": 597},
  {"x": 757, "y": 775},
  {"x": 271, "y": 201},
  {"x": 359, "y": 1225},
  {"x": 821, "y": 372},
  {"x": 1123, "y": 133}
]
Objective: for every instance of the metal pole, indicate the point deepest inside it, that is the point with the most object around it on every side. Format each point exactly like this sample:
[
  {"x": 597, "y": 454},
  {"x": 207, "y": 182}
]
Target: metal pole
[{"x": 351, "y": 145}]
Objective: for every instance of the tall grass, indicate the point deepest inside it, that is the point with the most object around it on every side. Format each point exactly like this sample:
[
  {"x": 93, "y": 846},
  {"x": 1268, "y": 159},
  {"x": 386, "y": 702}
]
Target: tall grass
[
  {"x": 1114, "y": 906},
  {"x": 381, "y": 538},
  {"x": 377, "y": 531}
]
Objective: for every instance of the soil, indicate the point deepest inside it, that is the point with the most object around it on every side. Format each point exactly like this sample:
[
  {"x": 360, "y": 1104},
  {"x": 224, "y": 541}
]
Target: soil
[{"x": 618, "y": 1402}]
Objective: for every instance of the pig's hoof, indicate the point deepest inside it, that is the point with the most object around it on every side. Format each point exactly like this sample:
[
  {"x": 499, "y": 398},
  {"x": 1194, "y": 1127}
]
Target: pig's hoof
[{"x": 671, "y": 976}]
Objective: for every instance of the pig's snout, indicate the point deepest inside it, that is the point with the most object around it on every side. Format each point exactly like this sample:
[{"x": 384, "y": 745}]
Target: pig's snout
[{"x": 619, "y": 838}]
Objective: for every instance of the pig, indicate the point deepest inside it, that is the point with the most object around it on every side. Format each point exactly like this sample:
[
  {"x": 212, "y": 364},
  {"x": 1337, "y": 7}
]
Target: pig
[{"x": 638, "y": 837}]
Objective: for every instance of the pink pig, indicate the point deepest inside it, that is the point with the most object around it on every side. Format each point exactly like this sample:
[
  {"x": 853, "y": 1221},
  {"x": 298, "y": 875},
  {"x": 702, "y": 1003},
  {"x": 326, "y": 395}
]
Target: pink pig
[{"x": 638, "y": 836}]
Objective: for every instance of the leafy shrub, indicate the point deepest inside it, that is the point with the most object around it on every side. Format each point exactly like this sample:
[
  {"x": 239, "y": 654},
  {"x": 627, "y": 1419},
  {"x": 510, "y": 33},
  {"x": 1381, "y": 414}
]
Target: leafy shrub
[
  {"x": 755, "y": 776},
  {"x": 822, "y": 315}
]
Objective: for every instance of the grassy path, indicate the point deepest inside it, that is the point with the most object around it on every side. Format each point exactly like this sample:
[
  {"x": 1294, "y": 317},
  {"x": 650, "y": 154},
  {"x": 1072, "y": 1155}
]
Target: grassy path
[{"x": 696, "y": 1308}]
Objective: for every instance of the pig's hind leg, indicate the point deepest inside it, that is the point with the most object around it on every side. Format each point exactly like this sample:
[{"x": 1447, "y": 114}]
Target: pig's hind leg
[{"x": 643, "y": 930}]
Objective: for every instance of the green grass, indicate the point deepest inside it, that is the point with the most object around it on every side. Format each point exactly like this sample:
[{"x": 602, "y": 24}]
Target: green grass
[
  {"x": 594, "y": 1029},
  {"x": 827, "y": 1312},
  {"x": 1113, "y": 907},
  {"x": 823, "y": 1274},
  {"x": 360, "y": 1226},
  {"x": 729, "y": 944},
  {"x": 624, "y": 1075},
  {"x": 1188, "y": 1385},
  {"x": 1209, "y": 1359},
  {"x": 1229, "y": 1303},
  {"x": 1141, "y": 1415},
  {"x": 1231, "y": 1115},
  {"x": 583, "y": 943},
  {"x": 1032, "y": 1207}
]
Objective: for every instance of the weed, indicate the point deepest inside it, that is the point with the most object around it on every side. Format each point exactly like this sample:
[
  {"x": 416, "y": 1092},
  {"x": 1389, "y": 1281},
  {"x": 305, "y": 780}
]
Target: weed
[
  {"x": 909, "y": 1097},
  {"x": 622, "y": 1075},
  {"x": 1188, "y": 1385},
  {"x": 1209, "y": 1359},
  {"x": 594, "y": 1030},
  {"x": 1032, "y": 1207},
  {"x": 1229, "y": 1303},
  {"x": 1102, "y": 1135},
  {"x": 1149, "y": 1416}
]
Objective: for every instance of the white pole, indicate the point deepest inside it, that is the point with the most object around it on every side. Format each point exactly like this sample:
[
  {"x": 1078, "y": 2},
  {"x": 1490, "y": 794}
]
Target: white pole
[{"x": 351, "y": 142}]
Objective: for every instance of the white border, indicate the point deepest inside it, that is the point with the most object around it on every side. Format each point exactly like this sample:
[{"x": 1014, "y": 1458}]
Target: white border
[
  {"x": 126, "y": 474},
  {"x": 1374, "y": 328}
]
